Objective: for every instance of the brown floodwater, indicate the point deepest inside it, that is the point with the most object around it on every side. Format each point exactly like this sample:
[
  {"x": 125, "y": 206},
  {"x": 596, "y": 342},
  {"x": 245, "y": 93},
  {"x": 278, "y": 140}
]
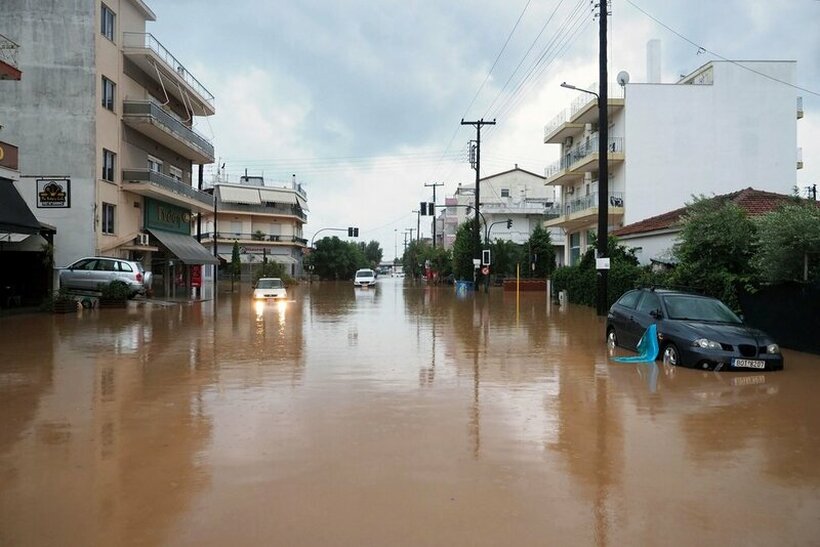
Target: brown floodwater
[{"x": 399, "y": 415}]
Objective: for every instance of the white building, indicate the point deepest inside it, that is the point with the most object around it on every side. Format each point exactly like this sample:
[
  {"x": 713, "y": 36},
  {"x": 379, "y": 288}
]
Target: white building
[
  {"x": 726, "y": 126},
  {"x": 266, "y": 218},
  {"x": 517, "y": 194},
  {"x": 104, "y": 122}
]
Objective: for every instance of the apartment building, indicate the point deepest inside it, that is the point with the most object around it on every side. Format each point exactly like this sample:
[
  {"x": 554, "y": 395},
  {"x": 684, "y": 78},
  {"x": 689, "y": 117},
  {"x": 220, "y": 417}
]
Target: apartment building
[
  {"x": 266, "y": 218},
  {"x": 726, "y": 126},
  {"x": 104, "y": 120},
  {"x": 517, "y": 194}
]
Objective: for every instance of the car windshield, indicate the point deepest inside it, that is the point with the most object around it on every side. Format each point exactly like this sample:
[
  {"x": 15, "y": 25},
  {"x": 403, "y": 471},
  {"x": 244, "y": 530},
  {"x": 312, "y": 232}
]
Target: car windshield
[
  {"x": 696, "y": 308},
  {"x": 269, "y": 284},
  {"x": 364, "y": 273}
]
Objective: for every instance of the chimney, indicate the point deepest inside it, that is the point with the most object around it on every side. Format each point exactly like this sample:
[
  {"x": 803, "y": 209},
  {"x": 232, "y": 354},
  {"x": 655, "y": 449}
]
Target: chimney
[
  {"x": 516, "y": 166},
  {"x": 653, "y": 61}
]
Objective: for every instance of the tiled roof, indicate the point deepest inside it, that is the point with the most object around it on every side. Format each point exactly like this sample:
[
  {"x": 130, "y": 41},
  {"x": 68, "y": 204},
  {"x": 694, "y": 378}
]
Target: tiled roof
[{"x": 754, "y": 202}]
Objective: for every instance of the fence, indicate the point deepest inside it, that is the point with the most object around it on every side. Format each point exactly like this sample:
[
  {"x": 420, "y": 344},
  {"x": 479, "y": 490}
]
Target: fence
[{"x": 787, "y": 312}]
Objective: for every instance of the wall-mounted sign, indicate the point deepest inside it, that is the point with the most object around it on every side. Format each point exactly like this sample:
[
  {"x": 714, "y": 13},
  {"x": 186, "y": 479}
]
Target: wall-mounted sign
[
  {"x": 8, "y": 156},
  {"x": 164, "y": 216},
  {"x": 53, "y": 193}
]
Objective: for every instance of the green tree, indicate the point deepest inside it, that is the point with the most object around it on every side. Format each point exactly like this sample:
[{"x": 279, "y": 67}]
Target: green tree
[
  {"x": 505, "y": 256},
  {"x": 372, "y": 252},
  {"x": 716, "y": 249},
  {"x": 337, "y": 259},
  {"x": 463, "y": 252},
  {"x": 789, "y": 241},
  {"x": 541, "y": 252}
]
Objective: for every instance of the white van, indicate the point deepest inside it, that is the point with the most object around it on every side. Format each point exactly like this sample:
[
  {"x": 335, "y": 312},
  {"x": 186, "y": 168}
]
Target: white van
[
  {"x": 364, "y": 278},
  {"x": 269, "y": 287}
]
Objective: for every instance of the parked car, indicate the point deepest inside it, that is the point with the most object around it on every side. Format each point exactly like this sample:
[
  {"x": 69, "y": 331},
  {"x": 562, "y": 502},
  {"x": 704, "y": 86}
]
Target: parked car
[
  {"x": 364, "y": 278},
  {"x": 87, "y": 274},
  {"x": 693, "y": 330},
  {"x": 269, "y": 287}
]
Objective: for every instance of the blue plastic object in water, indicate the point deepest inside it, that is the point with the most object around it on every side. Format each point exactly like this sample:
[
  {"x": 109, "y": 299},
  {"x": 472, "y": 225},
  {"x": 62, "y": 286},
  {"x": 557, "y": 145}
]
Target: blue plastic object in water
[{"x": 647, "y": 348}]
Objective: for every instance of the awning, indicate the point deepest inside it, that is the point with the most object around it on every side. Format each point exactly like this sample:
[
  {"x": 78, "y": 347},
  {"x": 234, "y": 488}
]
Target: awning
[
  {"x": 302, "y": 203},
  {"x": 184, "y": 247},
  {"x": 232, "y": 194},
  {"x": 15, "y": 216},
  {"x": 277, "y": 196}
]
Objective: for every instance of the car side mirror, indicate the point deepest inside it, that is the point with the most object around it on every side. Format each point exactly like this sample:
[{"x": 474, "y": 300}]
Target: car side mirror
[
  {"x": 740, "y": 316},
  {"x": 657, "y": 314}
]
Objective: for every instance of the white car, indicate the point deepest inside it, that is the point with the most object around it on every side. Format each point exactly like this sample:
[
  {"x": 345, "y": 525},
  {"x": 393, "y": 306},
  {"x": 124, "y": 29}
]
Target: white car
[
  {"x": 269, "y": 288},
  {"x": 364, "y": 278}
]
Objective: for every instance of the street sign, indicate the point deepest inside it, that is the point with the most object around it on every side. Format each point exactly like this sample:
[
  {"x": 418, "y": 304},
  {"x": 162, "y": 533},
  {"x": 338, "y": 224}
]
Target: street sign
[
  {"x": 601, "y": 263},
  {"x": 476, "y": 262},
  {"x": 485, "y": 270}
]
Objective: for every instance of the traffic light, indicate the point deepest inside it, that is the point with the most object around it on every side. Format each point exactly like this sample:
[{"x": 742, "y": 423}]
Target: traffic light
[
  {"x": 349, "y": 231},
  {"x": 431, "y": 208},
  {"x": 355, "y": 232},
  {"x": 485, "y": 257},
  {"x": 423, "y": 208},
  {"x": 509, "y": 223}
]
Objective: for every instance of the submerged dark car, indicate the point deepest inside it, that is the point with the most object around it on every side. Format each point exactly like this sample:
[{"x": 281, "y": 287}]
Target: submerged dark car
[{"x": 693, "y": 331}]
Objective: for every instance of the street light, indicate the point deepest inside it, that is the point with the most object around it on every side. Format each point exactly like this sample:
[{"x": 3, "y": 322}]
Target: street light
[{"x": 603, "y": 194}]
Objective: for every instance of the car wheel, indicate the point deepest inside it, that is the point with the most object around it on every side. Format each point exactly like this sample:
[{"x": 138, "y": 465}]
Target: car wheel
[
  {"x": 611, "y": 338},
  {"x": 671, "y": 355}
]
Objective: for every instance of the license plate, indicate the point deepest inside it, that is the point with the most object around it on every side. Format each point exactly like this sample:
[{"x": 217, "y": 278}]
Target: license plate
[{"x": 749, "y": 363}]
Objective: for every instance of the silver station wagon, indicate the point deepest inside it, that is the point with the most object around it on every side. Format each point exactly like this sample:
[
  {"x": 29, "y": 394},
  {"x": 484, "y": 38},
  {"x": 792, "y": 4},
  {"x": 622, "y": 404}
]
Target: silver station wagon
[{"x": 87, "y": 274}]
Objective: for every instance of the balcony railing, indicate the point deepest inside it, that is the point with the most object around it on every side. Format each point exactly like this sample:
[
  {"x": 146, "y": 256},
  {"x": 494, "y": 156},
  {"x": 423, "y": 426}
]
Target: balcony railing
[
  {"x": 581, "y": 151},
  {"x": 267, "y": 209},
  {"x": 616, "y": 199},
  {"x": 166, "y": 182},
  {"x": 154, "y": 110},
  {"x": 613, "y": 91},
  {"x": 243, "y": 236},
  {"x": 147, "y": 41},
  {"x": 520, "y": 208}
]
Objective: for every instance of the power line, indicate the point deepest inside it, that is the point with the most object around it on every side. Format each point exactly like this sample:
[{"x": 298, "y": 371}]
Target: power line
[{"x": 719, "y": 56}]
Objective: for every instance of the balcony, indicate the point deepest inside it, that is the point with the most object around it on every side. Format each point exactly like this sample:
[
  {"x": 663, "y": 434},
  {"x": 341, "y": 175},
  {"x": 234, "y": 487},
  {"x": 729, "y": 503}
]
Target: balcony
[
  {"x": 158, "y": 63},
  {"x": 150, "y": 119},
  {"x": 9, "y": 64},
  {"x": 583, "y": 110},
  {"x": 520, "y": 208},
  {"x": 583, "y": 211},
  {"x": 164, "y": 188},
  {"x": 581, "y": 159},
  {"x": 264, "y": 209},
  {"x": 254, "y": 238}
]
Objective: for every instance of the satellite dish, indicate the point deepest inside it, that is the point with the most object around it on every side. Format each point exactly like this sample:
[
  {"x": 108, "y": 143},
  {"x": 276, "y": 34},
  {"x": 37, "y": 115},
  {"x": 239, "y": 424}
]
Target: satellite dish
[{"x": 623, "y": 78}]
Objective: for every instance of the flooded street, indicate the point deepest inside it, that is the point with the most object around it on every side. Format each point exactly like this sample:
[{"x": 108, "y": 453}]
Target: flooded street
[{"x": 398, "y": 415}]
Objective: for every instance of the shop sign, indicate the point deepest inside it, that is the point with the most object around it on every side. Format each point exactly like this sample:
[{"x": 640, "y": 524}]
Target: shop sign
[
  {"x": 8, "y": 156},
  {"x": 164, "y": 216},
  {"x": 53, "y": 193},
  {"x": 196, "y": 275}
]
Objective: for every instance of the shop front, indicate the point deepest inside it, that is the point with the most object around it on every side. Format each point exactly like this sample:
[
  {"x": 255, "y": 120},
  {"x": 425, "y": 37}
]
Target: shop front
[{"x": 182, "y": 267}]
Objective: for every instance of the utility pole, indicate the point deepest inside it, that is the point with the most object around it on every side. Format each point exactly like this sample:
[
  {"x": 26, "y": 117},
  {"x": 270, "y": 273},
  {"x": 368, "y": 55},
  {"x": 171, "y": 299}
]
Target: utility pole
[
  {"x": 603, "y": 171},
  {"x": 433, "y": 185},
  {"x": 405, "y": 241},
  {"x": 418, "y": 224},
  {"x": 476, "y": 231}
]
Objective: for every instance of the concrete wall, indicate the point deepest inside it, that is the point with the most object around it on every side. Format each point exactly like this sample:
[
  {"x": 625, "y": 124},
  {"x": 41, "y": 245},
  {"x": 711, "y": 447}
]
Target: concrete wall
[
  {"x": 50, "y": 114},
  {"x": 657, "y": 246},
  {"x": 737, "y": 132}
]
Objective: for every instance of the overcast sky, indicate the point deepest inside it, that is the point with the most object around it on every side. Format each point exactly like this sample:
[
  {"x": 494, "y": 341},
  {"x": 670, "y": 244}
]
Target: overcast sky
[{"x": 362, "y": 99}]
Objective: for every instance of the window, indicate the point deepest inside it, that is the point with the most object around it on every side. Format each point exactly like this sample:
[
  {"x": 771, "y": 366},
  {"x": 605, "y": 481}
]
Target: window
[
  {"x": 154, "y": 164},
  {"x": 574, "y": 248},
  {"x": 107, "y": 22},
  {"x": 236, "y": 228},
  {"x": 108, "y": 219},
  {"x": 175, "y": 172},
  {"x": 108, "y": 93},
  {"x": 124, "y": 267},
  {"x": 650, "y": 302},
  {"x": 630, "y": 299},
  {"x": 109, "y": 164},
  {"x": 505, "y": 192}
]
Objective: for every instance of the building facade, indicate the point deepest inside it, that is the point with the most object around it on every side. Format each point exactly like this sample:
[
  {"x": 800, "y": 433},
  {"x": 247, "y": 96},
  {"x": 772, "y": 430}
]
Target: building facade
[
  {"x": 266, "y": 219},
  {"x": 104, "y": 121},
  {"x": 517, "y": 195},
  {"x": 725, "y": 126}
]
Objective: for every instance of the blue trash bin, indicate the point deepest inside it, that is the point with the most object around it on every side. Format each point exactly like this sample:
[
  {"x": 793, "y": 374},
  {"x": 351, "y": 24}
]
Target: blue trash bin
[{"x": 463, "y": 287}]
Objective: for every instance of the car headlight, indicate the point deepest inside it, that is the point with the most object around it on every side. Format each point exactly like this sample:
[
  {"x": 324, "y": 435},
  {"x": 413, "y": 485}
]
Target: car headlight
[
  {"x": 705, "y": 343},
  {"x": 772, "y": 348}
]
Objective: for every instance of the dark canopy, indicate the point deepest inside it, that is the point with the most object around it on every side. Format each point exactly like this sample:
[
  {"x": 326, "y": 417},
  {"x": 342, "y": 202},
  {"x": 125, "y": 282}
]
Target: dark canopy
[{"x": 15, "y": 216}]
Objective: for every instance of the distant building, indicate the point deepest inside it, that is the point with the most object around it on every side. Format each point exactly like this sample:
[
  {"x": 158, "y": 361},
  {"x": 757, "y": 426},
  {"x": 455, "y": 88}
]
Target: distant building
[
  {"x": 726, "y": 122},
  {"x": 266, "y": 219},
  {"x": 517, "y": 194},
  {"x": 104, "y": 121},
  {"x": 653, "y": 238}
]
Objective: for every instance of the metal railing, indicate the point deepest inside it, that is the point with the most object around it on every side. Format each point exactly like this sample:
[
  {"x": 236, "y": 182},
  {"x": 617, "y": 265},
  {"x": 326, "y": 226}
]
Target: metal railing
[
  {"x": 613, "y": 91},
  {"x": 268, "y": 209},
  {"x": 520, "y": 208},
  {"x": 168, "y": 183},
  {"x": 146, "y": 40},
  {"x": 9, "y": 51},
  {"x": 154, "y": 110},
  {"x": 265, "y": 238},
  {"x": 581, "y": 151},
  {"x": 560, "y": 119},
  {"x": 616, "y": 199}
]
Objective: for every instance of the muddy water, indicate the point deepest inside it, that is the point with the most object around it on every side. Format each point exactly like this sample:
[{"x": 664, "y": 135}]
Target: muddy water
[{"x": 394, "y": 416}]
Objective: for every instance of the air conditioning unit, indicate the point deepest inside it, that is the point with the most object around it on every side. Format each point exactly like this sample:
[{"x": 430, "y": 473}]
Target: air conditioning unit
[
  {"x": 587, "y": 177},
  {"x": 588, "y": 127},
  {"x": 567, "y": 142},
  {"x": 142, "y": 239},
  {"x": 570, "y": 190}
]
